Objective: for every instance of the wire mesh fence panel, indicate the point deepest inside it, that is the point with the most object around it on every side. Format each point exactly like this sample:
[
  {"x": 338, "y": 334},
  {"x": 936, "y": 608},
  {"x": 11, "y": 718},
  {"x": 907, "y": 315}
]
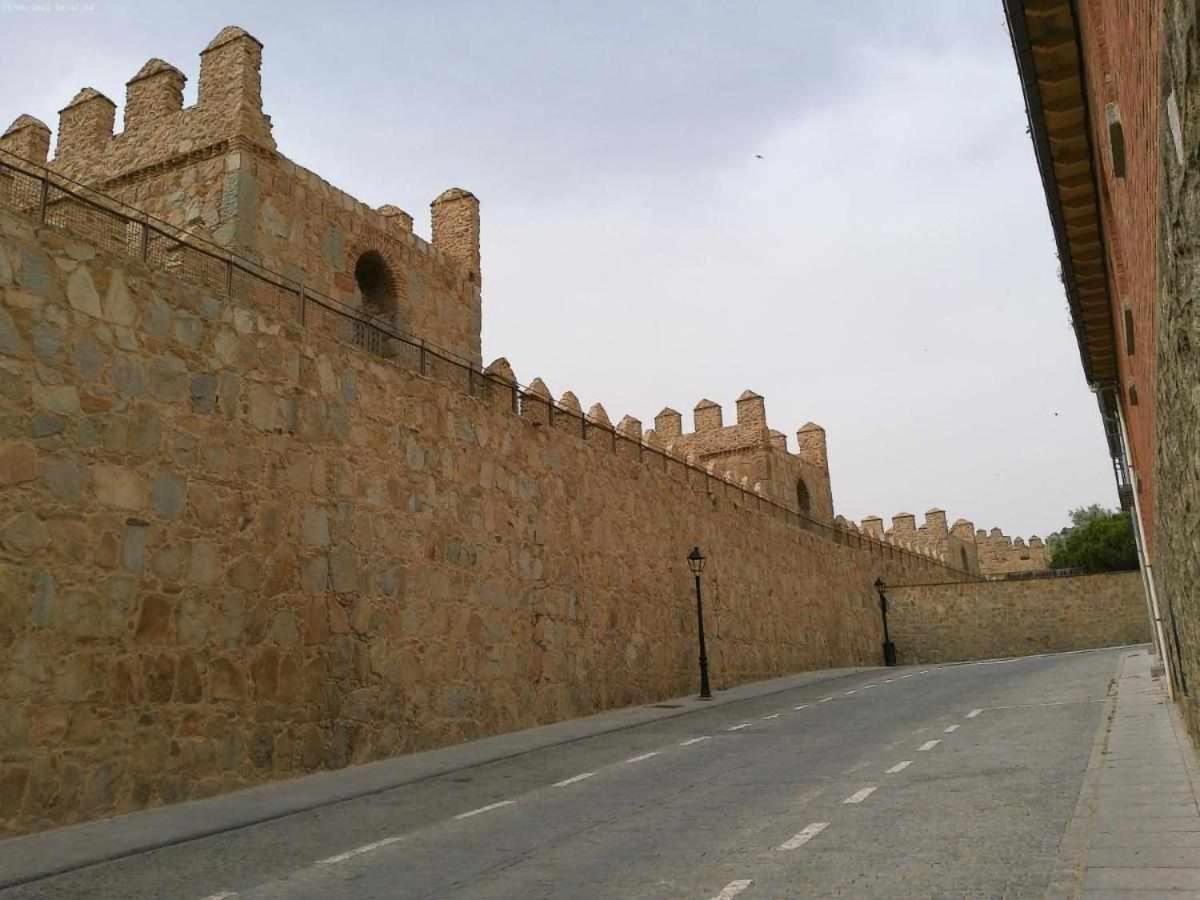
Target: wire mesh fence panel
[
  {"x": 101, "y": 227},
  {"x": 158, "y": 249},
  {"x": 406, "y": 355},
  {"x": 19, "y": 191},
  {"x": 321, "y": 323},
  {"x": 202, "y": 269}
]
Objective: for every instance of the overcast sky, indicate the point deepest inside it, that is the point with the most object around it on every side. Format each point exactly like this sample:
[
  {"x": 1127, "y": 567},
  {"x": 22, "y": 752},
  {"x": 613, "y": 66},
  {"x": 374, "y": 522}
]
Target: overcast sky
[{"x": 886, "y": 269}]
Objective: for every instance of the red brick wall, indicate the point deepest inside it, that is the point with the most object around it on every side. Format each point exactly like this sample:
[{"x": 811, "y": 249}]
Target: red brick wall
[{"x": 1121, "y": 63}]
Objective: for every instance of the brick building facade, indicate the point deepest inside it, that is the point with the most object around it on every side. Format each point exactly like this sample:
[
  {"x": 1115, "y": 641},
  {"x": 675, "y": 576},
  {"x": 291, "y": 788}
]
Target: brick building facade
[{"x": 1113, "y": 95}]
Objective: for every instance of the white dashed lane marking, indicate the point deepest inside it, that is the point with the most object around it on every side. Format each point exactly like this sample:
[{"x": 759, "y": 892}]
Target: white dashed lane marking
[
  {"x": 848, "y": 693},
  {"x": 866, "y": 687},
  {"x": 642, "y": 756},
  {"x": 860, "y": 796},
  {"x": 824, "y": 699},
  {"x": 899, "y": 767},
  {"x": 973, "y": 713},
  {"x": 928, "y": 745},
  {"x": 573, "y": 779},
  {"x": 732, "y": 889},
  {"x": 738, "y": 727},
  {"x": 223, "y": 895},
  {"x": 772, "y": 716},
  {"x": 691, "y": 741},
  {"x": 950, "y": 729},
  {"x": 484, "y": 809},
  {"x": 341, "y": 857},
  {"x": 800, "y": 707},
  {"x": 803, "y": 837}
]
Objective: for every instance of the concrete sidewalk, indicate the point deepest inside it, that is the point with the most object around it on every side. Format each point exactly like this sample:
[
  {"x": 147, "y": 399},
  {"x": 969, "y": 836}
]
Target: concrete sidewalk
[
  {"x": 1136, "y": 829},
  {"x": 39, "y": 855}
]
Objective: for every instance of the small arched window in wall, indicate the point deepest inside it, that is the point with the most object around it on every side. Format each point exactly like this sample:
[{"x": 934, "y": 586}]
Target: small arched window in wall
[
  {"x": 376, "y": 284},
  {"x": 803, "y": 499}
]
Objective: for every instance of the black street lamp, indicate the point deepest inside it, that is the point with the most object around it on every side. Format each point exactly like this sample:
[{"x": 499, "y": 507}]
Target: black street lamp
[
  {"x": 696, "y": 564},
  {"x": 889, "y": 649}
]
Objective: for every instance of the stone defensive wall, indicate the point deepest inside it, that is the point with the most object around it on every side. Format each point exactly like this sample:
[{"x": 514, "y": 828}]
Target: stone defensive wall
[
  {"x": 239, "y": 543},
  {"x": 213, "y": 171},
  {"x": 989, "y": 553},
  {"x": 952, "y": 622}
]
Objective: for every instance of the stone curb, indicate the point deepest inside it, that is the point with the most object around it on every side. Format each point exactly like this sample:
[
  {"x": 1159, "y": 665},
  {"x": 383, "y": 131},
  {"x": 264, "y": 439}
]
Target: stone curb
[
  {"x": 1072, "y": 849},
  {"x": 37, "y": 856}
]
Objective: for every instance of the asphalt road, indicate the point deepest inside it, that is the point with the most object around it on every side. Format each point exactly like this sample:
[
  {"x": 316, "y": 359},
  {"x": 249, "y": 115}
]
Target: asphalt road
[{"x": 942, "y": 782}]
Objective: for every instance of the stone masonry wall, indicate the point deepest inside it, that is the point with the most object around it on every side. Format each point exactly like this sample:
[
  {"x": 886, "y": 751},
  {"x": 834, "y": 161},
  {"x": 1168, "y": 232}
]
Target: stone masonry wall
[
  {"x": 993, "y": 619},
  {"x": 1177, "y": 557},
  {"x": 213, "y": 171},
  {"x": 232, "y": 550}
]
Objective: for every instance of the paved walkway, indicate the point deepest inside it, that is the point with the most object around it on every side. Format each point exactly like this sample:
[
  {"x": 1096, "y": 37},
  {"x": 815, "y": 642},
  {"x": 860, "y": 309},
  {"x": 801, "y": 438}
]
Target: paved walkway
[{"x": 1136, "y": 831}]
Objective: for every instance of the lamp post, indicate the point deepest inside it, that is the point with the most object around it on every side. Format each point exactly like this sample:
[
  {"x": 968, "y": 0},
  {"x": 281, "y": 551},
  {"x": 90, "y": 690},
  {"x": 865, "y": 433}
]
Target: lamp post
[
  {"x": 889, "y": 649},
  {"x": 696, "y": 564}
]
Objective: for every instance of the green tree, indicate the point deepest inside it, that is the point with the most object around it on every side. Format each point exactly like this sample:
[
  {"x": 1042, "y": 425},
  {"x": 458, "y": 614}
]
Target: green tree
[{"x": 1099, "y": 540}]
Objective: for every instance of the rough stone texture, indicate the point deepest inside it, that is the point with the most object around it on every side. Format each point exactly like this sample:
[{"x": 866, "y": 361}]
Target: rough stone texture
[
  {"x": 749, "y": 450},
  {"x": 1001, "y": 555},
  {"x": 1177, "y": 440},
  {"x": 212, "y": 170},
  {"x": 935, "y": 623},
  {"x": 334, "y": 559}
]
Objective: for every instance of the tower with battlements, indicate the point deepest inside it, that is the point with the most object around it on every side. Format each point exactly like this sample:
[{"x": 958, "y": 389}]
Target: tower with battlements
[{"x": 213, "y": 171}]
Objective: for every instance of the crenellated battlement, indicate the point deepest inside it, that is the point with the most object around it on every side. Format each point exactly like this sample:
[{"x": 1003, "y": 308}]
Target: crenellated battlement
[
  {"x": 748, "y": 452},
  {"x": 1000, "y": 554},
  {"x": 157, "y": 127},
  {"x": 960, "y": 544},
  {"x": 213, "y": 170}
]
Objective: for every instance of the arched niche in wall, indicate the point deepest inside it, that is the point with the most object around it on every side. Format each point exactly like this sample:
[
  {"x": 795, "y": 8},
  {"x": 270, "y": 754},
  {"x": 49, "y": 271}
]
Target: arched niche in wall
[
  {"x": 376, "y": 284},
  {"x": 803, "y": 498}
]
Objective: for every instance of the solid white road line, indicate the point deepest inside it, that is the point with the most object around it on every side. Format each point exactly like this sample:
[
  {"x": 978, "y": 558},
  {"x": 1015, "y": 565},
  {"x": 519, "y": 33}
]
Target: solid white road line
[
  {"x": 950, "y": 729},
  {"x": 928, "y": 745},
  {"x": 573, "y": 779},
  {"x": 691, "y": 741},
  {"x": 803, "y": 837},
  {"x": 973, "y": 713},
  {"x": 772, "y": 716},
  {"x": 899, "y": 767},
  {"x": 860, "y": 796},
  {"x": 738, "y": 727},
  {"x": 801, "y": 706},
  {"x": 732, "y": 889},
  {"x": 643, "y": 756},
  {"x": 342, "y": 857},
  {"x": 484, "y": 809}
]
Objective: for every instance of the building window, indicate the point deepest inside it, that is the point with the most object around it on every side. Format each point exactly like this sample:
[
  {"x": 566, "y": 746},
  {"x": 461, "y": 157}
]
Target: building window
[
  {"x": 803, "y": 499},
  {"x": 1127, "y": 318},
  {"x": 962, "y": 554},
  {"x": 1133, "y": 397},
  {"x": 376, "y": 284}
]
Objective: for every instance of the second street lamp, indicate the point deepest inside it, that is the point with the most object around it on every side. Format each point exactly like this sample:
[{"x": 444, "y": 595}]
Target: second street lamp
[
  {"x": 696, "y": 564},
  {"x": 889, "y": 649}
]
